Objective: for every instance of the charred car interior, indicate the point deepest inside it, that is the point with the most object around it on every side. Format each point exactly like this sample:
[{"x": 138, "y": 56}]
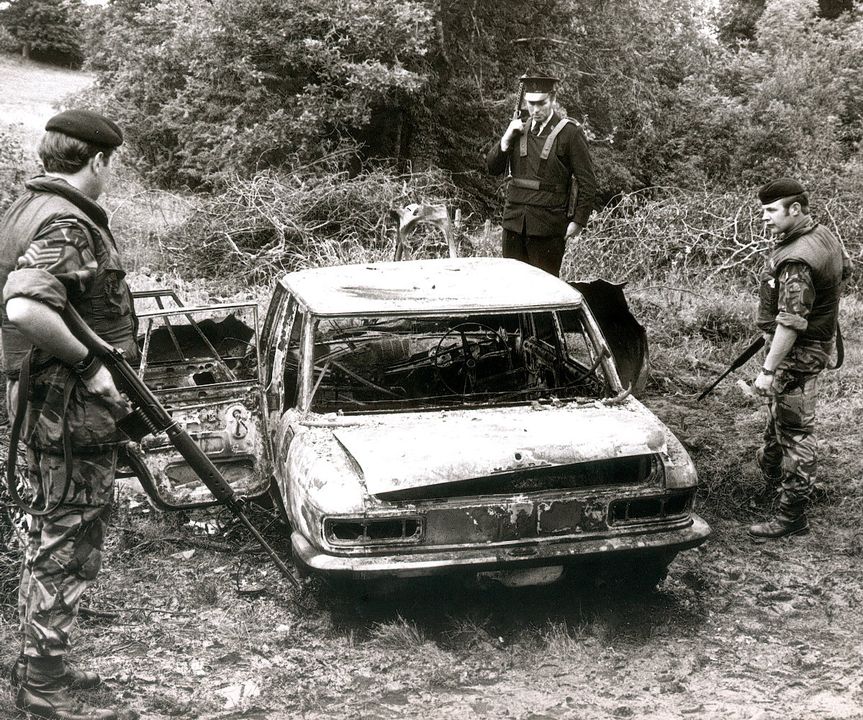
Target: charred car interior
[
  {"x": 403, "y": 362},
  {"x": 202, "y": 364}
]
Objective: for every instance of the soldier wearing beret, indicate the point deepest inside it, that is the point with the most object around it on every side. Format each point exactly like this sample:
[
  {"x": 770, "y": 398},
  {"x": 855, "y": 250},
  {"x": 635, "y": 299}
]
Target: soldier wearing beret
[
  {"x": 548, "y": 159},
  {"x": 798, "y": 313},
  {"x": 55, "y": 248}
]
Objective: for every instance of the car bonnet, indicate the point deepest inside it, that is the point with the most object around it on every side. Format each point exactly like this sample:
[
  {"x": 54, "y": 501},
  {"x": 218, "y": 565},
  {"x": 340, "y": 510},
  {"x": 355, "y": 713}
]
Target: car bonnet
[{"x": 426, "y": 449}]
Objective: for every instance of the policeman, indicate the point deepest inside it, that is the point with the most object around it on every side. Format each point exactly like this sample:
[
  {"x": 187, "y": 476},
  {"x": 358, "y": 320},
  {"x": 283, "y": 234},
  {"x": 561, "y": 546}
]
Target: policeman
[
  {"x": 549, "y": 163},
  {"x": 56, "y": 247},
  {"x": 798, "y": 314}
]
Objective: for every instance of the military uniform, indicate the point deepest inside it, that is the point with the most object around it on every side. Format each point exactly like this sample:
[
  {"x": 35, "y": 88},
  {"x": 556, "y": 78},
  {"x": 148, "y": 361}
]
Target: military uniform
[
  {"x": 800, "y": 288},
  {"x": 56, "y": 246},
  {"x": 543, "y": 163}
]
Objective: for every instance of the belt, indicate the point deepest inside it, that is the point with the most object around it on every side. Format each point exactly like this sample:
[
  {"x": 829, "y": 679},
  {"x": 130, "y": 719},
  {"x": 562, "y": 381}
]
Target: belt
[{"x": 528, "y": 184}]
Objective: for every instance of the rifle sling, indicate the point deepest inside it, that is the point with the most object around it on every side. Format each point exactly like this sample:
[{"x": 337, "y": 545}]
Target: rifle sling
[
  {"x": 840, "y": 349},
  {"x": 21, "y": 407}
]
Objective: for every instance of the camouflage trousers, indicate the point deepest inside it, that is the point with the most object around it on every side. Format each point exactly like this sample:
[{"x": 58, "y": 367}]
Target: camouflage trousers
[
  {"x": 64, "y": 552},
  {"x": 790, "y": 449}
]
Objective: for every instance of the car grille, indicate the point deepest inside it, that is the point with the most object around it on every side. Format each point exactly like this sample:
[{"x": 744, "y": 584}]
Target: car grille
[{"x": 614, "y": 472}]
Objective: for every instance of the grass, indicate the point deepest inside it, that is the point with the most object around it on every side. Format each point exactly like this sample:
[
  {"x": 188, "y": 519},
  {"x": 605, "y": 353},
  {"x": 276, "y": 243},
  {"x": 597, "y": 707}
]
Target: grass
[{"x": 33, "y": 92}]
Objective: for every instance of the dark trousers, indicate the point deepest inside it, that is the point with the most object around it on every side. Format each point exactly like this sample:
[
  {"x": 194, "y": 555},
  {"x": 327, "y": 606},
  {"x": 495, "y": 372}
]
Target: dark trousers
[{"x": 542, "y": 252}]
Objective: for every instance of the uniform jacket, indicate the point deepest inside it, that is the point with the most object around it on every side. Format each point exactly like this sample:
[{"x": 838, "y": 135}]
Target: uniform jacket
[
  {"x": 55, "y": 245},
  {"x": 818, "y": 249},
  {"x": 543, "y": 212}
]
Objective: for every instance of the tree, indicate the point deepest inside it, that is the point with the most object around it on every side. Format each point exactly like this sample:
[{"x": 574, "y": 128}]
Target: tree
[
  {"x": 212, "y": 91},
  {"x": 46, "y": 29}
]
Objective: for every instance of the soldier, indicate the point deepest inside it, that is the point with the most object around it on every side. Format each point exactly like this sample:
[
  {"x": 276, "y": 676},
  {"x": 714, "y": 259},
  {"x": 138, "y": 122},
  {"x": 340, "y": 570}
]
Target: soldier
[
  {"x": 548, "y": 157},
  {"x": 798, "y": 314},
  {"x": 56, "y": 247}
]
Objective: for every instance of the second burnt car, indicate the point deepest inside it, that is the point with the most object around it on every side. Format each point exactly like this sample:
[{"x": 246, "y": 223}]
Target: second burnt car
[{"x": 413, "y": 418}]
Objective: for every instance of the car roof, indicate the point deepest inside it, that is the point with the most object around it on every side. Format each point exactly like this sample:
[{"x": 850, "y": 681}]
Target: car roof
[{"x": 419, "y": 286}]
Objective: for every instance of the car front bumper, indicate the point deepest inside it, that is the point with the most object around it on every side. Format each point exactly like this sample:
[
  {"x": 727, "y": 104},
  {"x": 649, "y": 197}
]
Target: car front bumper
[{"x": 561, "y": 551}]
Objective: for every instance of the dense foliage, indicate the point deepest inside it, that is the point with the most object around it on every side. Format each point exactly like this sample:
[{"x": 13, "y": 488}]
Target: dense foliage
[
  {"x": 12, "y": 166},
  {"x": 669, "y": 93},
  {"x": 215, "y": 90},
  {"x": 44, "y": 30}
]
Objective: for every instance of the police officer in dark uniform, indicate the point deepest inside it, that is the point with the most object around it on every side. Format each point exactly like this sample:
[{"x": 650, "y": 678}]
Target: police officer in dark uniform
[
  {"x": 56, "y": 247},
  {"x": 798, "y": 313},
  {"x": 549, "y": 165}
]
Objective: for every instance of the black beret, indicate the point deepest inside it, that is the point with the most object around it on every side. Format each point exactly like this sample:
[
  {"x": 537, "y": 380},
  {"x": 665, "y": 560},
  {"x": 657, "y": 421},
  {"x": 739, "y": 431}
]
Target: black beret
[
  {"x": 538, "y": 84},
  {"x": 87, "y": 126},
  {"x": 779, "y": 188}
]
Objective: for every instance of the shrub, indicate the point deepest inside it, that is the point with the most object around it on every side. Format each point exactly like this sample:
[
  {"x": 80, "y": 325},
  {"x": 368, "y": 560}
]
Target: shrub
[
  {"x": 667, "y": 235},
  {"x": 13, "y": 166},
  {"x": 272, "y": 223}
]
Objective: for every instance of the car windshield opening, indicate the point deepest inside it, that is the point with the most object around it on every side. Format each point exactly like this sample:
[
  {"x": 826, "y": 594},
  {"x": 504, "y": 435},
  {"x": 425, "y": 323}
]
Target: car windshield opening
[{"x": 363, "y": 364}]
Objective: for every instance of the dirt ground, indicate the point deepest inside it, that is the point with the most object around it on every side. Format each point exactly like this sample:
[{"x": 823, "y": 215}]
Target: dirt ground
[{"x": 195, "y": 626}]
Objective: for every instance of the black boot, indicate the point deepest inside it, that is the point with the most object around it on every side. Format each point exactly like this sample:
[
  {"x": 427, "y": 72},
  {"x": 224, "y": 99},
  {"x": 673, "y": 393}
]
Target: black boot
[
  {"x": 790, "y": 520},
  {"x": 73, "y": 678},
  {"x": 780, "y": 526},
  {"x": 44, "y": 694}
]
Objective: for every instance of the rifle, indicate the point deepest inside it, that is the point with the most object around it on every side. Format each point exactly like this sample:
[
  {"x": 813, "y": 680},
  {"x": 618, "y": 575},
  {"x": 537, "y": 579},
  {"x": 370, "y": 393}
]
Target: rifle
[
  {"x": 517, "y": 111},
  {"x": 148, "y": 416},
  {"x": 748, "y": 353}
]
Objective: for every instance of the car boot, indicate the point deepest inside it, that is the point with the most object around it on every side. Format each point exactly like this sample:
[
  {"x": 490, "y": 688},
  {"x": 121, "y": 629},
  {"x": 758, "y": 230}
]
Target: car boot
[
  {"x": 44, "y": 694},
  {"x": 73, "y": 678}
]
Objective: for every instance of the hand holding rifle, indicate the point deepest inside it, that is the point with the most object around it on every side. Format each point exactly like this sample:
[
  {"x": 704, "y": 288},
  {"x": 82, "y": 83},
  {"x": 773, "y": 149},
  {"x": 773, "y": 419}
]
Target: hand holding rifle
[{"x": 519, "y": 117}]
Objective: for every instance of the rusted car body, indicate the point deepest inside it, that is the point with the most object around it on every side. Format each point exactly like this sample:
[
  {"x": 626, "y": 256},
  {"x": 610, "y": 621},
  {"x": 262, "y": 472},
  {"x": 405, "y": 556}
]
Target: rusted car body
[{"x": 443, "y": 415}]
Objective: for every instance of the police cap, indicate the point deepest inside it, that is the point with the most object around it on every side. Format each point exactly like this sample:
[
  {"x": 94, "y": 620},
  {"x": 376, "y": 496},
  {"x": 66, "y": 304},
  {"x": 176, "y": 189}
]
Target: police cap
[
  {"x": 778, "y": 189},
  {"x": 537, "y": 86},
  {"x": 87, "y": 126}
]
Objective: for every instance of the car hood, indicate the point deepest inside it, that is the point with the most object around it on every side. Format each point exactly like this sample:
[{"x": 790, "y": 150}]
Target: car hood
[{"x": 399, "y": 452}]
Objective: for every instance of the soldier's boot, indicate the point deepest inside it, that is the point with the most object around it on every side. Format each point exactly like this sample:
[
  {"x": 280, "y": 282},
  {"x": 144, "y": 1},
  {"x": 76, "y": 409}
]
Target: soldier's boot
[
  {"x": 44, "y": 694},
  {"x": 772, "y": 481},
  {"x": 73, "y": 678},
  {"x": 790, "y": 520}
]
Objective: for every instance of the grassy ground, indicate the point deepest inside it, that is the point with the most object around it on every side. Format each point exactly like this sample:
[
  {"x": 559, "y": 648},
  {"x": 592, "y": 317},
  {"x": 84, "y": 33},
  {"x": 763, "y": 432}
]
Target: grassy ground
[{"x": 33, "y": 92}]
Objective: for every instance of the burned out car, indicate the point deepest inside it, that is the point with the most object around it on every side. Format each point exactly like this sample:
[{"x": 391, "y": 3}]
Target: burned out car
[{"x": 440, "y": 415}]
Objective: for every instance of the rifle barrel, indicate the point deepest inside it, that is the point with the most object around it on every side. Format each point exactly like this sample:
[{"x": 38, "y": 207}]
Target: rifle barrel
[{"x": 741, "y": 359}]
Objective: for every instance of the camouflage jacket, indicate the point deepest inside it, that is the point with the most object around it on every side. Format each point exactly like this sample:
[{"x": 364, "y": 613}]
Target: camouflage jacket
[{"x": 55, "y": 246}]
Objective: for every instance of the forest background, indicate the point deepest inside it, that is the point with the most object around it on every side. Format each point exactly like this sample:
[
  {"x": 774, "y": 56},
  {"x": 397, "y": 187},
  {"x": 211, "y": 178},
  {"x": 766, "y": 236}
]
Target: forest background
[{"x": 284, "y": 131}]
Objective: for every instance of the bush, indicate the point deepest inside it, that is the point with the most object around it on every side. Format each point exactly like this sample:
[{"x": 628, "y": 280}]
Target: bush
[
  {"x": 273, "y": 223},
  {"x": 13, "y": 166},
  {"x": 667, "y": 235},
  {"x": 211, "y": 91}
]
